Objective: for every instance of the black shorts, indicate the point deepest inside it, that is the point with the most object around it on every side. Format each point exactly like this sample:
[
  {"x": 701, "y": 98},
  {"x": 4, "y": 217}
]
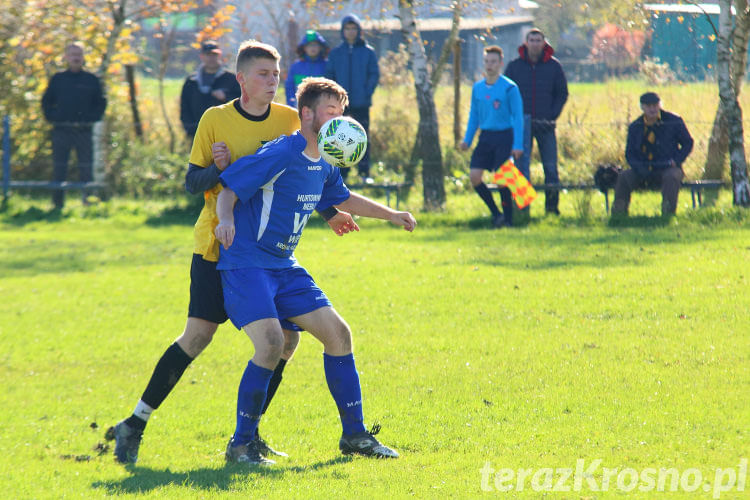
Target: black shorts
[
  {"x": 493, "y": 149},
  {"x": 207, "y": 295}
]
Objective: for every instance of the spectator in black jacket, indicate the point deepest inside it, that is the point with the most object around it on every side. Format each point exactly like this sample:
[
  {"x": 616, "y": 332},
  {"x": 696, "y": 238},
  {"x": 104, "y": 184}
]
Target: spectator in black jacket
[
  {"x": 210, "y": 85},
  {"x": 544, "y": 90},
  {"x": 658, "y": 144},
  {"x": 72, "y": 103}
]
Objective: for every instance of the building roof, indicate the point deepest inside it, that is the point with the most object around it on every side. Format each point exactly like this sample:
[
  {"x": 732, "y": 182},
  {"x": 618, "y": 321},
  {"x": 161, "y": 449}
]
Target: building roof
[
  {"x": 437, "y": 24},
  {"x": 699, "y": 8}
]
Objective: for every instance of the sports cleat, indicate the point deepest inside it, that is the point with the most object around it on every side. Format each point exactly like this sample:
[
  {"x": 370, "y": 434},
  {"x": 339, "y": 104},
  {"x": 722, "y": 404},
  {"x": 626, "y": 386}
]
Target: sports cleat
[
  {"x": 127, "y": 442},
  {"x": 498, "y": 221},
  {"x": 266, "y": 450},
  {"x": 364, "y": 443},
  {"x": 246, "y": 454}
]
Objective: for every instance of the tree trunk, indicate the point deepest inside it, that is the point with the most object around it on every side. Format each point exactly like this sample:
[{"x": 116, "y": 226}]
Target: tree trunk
[
  {"x": 728, "y": 96},
  {"x": 427, "y": 143},
  {"x": 718, "y": 143},
  {"x": 165, "y": 45},
  {"x": 133, "y": 98}
]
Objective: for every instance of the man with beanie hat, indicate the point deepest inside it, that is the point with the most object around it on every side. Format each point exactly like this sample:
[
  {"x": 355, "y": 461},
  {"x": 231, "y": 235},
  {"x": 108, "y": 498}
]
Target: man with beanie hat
[{"x": 354, "y": 66}]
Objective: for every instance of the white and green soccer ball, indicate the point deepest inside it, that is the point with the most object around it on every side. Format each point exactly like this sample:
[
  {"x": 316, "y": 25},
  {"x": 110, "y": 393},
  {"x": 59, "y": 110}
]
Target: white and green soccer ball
[{"x": 342, "y": 141}]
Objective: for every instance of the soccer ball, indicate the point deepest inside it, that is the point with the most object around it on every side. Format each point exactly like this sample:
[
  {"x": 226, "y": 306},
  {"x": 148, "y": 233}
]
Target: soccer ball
[{"x": 342, "y": 141}]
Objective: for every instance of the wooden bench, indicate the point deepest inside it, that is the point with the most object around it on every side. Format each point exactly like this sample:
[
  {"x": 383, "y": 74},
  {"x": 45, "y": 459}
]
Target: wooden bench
[
  {"x": 696, "y": 189},
  {"x": 388, "y": 187}
]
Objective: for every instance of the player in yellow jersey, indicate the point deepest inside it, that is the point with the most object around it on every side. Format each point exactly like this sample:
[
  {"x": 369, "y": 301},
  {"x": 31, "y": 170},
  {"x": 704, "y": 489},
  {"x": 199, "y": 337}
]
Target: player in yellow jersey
[{"x": 225, "y": 133}]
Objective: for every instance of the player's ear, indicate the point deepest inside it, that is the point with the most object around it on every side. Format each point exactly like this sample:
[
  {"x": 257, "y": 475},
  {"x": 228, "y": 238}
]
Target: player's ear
[{"x": 306, "y": 113}]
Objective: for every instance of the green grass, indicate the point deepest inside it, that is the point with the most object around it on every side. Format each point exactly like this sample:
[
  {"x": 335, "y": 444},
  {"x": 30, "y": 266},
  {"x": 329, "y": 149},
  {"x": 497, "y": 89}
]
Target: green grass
[{"x": 526, "y": 348}]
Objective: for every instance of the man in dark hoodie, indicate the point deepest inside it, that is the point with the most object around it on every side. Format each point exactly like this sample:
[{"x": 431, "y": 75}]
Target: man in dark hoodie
[
  {"x": 72, "y": 103},
  {"x": 544, "y": 90},
  {"x": 354, "y": 66},
  {"x": 210, "y": 85},
  {"x": 312, "y": 51}
]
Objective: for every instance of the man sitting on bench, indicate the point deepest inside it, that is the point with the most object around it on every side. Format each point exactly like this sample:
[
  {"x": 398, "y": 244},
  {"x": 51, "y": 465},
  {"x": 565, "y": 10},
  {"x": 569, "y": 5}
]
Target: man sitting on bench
[{"x": 658, "y": 144}]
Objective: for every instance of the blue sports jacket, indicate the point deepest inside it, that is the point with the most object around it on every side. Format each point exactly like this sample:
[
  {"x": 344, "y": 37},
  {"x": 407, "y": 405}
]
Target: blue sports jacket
[
  {"x": 354, "y": 67},
  {"x": 304, "y": 66}
]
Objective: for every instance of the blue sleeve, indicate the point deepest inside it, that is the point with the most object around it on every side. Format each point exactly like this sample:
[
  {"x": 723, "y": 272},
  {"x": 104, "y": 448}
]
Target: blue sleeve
[
  {"x": 334, "y": 191},
  {"x": 685, "y": 141},
  {"x": 249, "y": 173},
  {"x": 516, "y": 116},
  {"x": 290, "y": 89},
  {"x": 373, "y": 73},
  {"x": 559, "y": 93},
  {"x": 330, "y": 71},
  {"x": 632, "y": 154},
  {"x": 473, "y": 123}
]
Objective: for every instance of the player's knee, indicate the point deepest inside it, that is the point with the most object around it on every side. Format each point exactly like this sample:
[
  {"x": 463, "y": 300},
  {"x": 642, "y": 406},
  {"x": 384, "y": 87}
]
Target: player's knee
[
  {"x": 291, "y": 340},
  {"x": 341, "y": 342},
  {"x": 475, "y": 176},
  {"x": 271, "y": 347},
  {"x": 196, "y": 337}
]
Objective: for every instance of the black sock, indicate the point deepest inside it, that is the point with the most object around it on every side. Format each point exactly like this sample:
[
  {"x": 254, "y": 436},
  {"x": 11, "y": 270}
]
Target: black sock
[
  {"x": 273, "y": 385},
  {"x": 507, "y": 201},
  {"x": 168, "y": 371},
  {"x": 135, "y": 422},
  {"x": 486, "y": 196}
]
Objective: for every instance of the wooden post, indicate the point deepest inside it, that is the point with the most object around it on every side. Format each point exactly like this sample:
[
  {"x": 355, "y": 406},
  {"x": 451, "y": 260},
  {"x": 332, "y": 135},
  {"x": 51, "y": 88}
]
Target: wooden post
[
  {"x": 6, "y": 156},
  {"x": 130, "y": 77},
  {"x": 457, "y": 136}
]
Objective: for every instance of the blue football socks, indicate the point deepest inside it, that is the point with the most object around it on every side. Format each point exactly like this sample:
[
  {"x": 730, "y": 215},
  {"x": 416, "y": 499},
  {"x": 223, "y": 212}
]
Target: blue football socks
[
  {"x": 343, "y": 382},
  {"x": 250, "y": 400}
]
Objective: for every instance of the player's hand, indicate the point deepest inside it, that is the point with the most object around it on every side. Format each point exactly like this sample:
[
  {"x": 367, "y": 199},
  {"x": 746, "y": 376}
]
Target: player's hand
[
  {"x": 219, "y": 95},
  {"x": 225, "y": 233},
  {"x": 516, "y": 154},
  {"x": 404, "y": 219},
  {"x": 342, "y": 223},
  {"x": 221, "y": 154},
  {"x": 463, "y": 146}
]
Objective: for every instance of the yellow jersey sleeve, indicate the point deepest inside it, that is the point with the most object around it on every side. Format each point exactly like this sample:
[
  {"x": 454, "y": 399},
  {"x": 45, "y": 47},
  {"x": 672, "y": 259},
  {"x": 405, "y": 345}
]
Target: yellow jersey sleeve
[{"x": 243, "y": 134}]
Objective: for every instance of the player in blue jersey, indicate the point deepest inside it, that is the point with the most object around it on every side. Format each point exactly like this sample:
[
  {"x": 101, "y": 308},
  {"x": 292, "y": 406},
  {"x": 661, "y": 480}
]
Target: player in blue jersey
[
  {"x": 265, "y": 204},
  {"x": 497, "y": 110}
]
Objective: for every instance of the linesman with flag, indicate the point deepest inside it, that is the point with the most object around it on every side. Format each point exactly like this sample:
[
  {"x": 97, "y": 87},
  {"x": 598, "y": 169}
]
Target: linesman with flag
[{"x": 497, "y": 110}]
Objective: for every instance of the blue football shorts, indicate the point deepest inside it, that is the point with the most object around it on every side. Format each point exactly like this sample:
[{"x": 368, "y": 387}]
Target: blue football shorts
[
  {"x": 255, "y": 293},
  {"x": 206, "y": 295},
  {"x": 492, "y": 150}
]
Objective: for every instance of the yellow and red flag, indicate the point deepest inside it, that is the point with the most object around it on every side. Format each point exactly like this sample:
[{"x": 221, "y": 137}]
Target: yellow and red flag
[{"x": 521, "y": 189}]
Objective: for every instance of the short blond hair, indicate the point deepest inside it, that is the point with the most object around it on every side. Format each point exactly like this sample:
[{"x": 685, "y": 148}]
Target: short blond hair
[{"x": 253, "y": 49}]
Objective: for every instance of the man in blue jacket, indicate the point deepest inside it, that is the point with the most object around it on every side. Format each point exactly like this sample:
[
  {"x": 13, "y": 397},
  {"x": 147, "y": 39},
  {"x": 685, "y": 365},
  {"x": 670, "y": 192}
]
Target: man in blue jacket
[
  {"x": 312, "y": 51},
  {"x": 354, "y": 66},
  {"x": 544, "y": 90},
  {"x": 658, "y": 144},
  {"x": 72, "y": 103}
]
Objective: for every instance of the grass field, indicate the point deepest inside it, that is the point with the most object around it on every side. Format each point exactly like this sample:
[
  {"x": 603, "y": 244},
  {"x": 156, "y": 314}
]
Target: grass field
[{"x": 551, "y": 346}]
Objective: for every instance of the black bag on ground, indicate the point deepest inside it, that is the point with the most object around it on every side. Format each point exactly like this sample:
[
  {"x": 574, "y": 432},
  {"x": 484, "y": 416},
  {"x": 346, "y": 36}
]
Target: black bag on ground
[{"x": 606, "y": 175}]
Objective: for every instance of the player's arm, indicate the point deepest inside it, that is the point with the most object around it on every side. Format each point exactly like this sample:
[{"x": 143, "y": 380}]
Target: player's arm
[
  {"x": 365, "y": 207},
  {"x": 199, "y": 179},
  {"x": 225, "y": 212}
]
